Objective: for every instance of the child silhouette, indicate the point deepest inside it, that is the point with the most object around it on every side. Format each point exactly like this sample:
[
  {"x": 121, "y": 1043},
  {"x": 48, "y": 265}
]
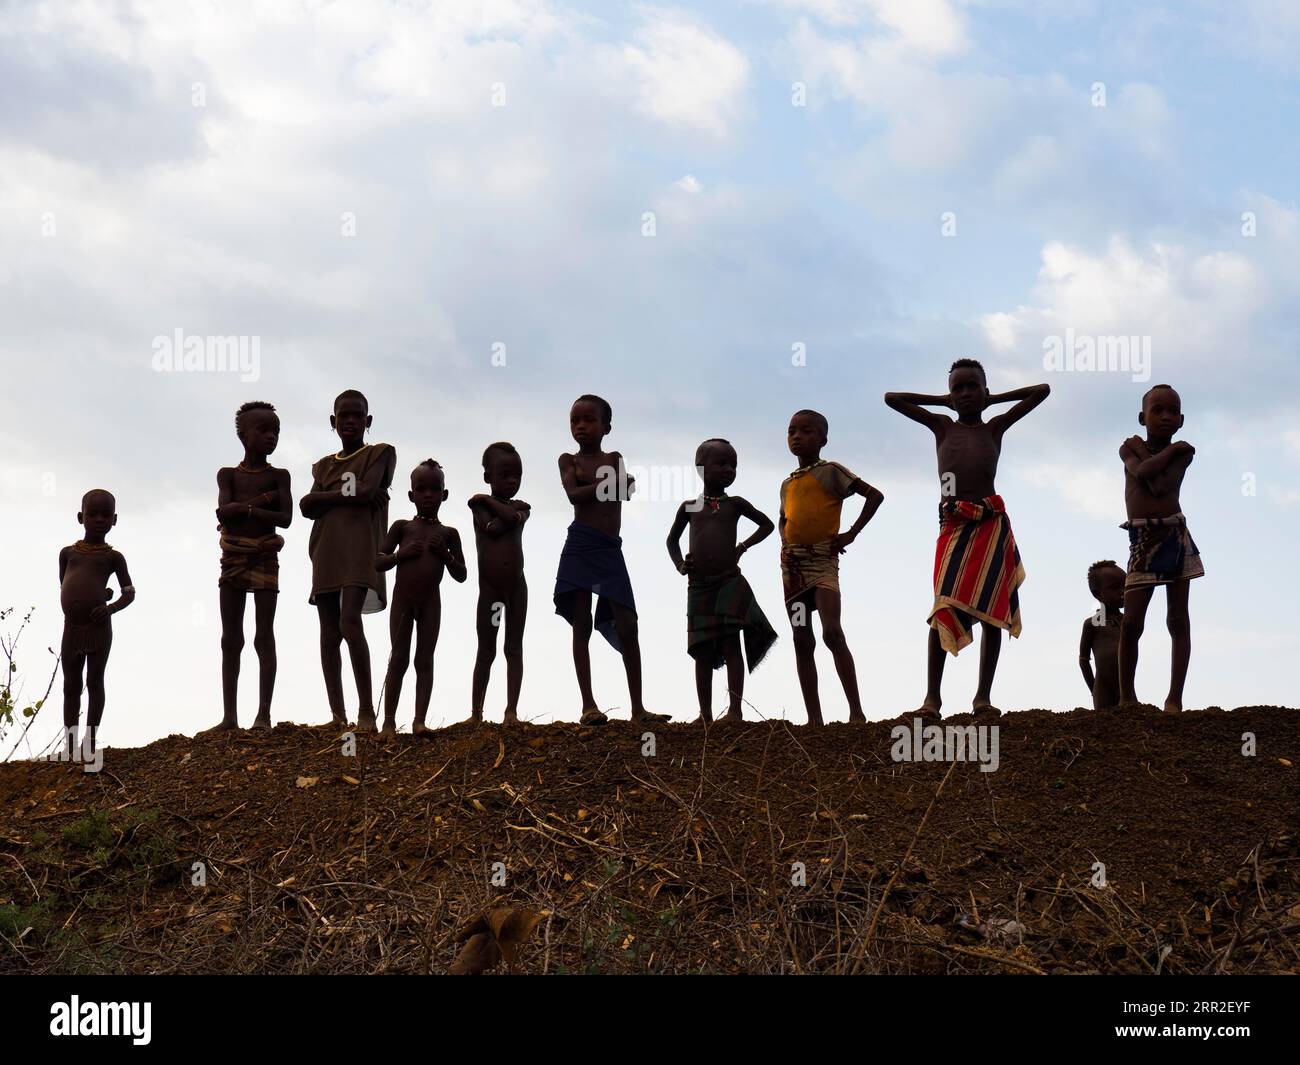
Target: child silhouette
[
  {"x": 811, "y": 545},
  {"x": 253, "y": 499},
  {"x": 1161, "y": 550},
  {"x": 977, "y": 570},
  {"x": 88, "y": 607},
  {"x": 1101, "y": 634},
  {"x": 348, "y": 504},
  {"x": 591, "y": 563},
  {"x": 502, "y": 591},
  {"x": 421, "y": 548},
  {"x": 720, "y": 605}
]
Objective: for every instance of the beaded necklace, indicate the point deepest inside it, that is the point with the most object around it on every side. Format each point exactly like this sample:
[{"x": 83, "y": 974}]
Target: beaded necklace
[
  {"x": 810, "y": 466},
  {"x": 91, "y": 549}
]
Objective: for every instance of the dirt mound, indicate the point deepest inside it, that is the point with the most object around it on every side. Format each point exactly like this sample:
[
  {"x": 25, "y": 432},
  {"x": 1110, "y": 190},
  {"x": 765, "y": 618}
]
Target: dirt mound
[{"x": 1102, "y": 843}]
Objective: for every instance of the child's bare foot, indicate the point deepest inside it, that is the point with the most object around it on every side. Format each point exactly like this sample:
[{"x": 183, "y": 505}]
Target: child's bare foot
[
  {"x": 816, "y": 719},
  {"x": 593, "y": 716},
  {"x": 928, "y": 710},
  {"x": 733, "y": 715},
  {"x": 1173, "y": 706},
  {"x": 984, "y": 708},
  {"x": 389, "y": 731},
  {"x": 224, "y": 725},
  {"x": 419, "y": 728},
  {"x": 511, "y": 718},
  {"x": 856, "y": 717},
  {"x": 262, "y": 722},
  {"x": 644, "y": 715},
  {"x": 476, "y": 717},
  {"x": 339, "y": 720},
  {"x": 366, "y": 721}
]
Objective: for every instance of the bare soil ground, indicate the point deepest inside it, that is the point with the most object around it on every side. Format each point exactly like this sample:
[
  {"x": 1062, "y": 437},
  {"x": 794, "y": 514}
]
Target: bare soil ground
[{"x": 755, "y": 847}]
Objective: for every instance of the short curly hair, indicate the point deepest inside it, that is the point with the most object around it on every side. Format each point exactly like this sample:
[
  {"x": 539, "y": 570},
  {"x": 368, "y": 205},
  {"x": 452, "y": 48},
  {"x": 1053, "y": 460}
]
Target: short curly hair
[
  {"x": 970, "y": 364},
  {"x": 818, "y": 417},
  {"x": 1096, "y": 568},
  {"x": 430, "y": 464},
  {"x": 251, "y": 405},
  {"x": 699, "y": 451},
  {"x": 605, "y": 409},
  {"x": 503, "y": 446}
]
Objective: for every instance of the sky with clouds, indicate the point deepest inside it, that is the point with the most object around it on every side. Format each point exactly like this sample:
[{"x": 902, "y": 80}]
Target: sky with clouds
[{"x": 474, "y": 212}]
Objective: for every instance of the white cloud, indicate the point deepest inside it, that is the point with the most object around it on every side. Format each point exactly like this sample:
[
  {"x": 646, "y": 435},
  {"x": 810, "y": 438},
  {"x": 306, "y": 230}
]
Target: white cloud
[
  {"x": 684, "y": 74},
  {"x": 1086, "y": 490},
  {"x": 1266, "y": 31},
  {"x": 1195, "y": 307},
  {"x": 922, "y": 27},
  {"x": 955, "y": 131}
]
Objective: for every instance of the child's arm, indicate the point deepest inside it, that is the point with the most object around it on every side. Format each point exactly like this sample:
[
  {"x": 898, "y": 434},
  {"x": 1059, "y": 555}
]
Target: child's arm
[
  {"x": 1168, "y": 480},
  {"x": 760, "y": 519},
  {"x": 389, "y": 553},
  {"x": 1132, "y": 453},
  {"x": 874, "y": 497},
  {"x": 283, "y": 513},
  {"x": 1029, "y": 397},
  {"x": 494, "y": 517},
  {"x": 371, "y": 489},
  {"x": 225, "y": 489},
  {"x": 127, "y": 596},
  {"x": 63, "y": 564},
  {"x": 449, "y": 550},
  {"x": 372, "y": 486},
  {"x": 579, "y": 490},
  {"x": 1085, "y": 652},
  {"x": 570, "y": 477},
  {"x": 1144, "y": 466},
  {"x": 625, "y": 479},
  {"x": 484, "y": 522},
  {"x": 913, "y": 404},
  {"x": 680, "y": 521},
  {"x": 311, "y": 506}
]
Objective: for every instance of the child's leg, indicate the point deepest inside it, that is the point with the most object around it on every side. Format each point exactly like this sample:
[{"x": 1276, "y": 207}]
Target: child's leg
[
  {"x": 582, "y": 653},
  {"x": 828, "y": 606},
  {"x": 96, "y": 663},
  {"x": 805, "y": 644},
  {"x": 735, "y": 674},
  {"x": 352, "y": 600},
  {"x": 626, "y": 626},
  {"x": 426, "y": 639},
  {"x": 73, "y": 665},
  {"x": 232, "y": 645},
  {"x": 1180, "y": 628},
  {"x": 990, "y": 648},
  {"x": 264, "y": 644},
  {"x": 704, "y": 686},
  {"x": 400, "y": 622},
  {"x": 487, "y": 615},
  {"x": 331, "y": 659},
  {"x": 1136, "y": 601},
  {"x": 516, "y": 615},
  {"x": 935, "y": 659}
]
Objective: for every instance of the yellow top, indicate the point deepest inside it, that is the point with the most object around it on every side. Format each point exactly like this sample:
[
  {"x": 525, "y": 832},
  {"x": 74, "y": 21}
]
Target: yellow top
[{"x": 811, "y": 499}]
